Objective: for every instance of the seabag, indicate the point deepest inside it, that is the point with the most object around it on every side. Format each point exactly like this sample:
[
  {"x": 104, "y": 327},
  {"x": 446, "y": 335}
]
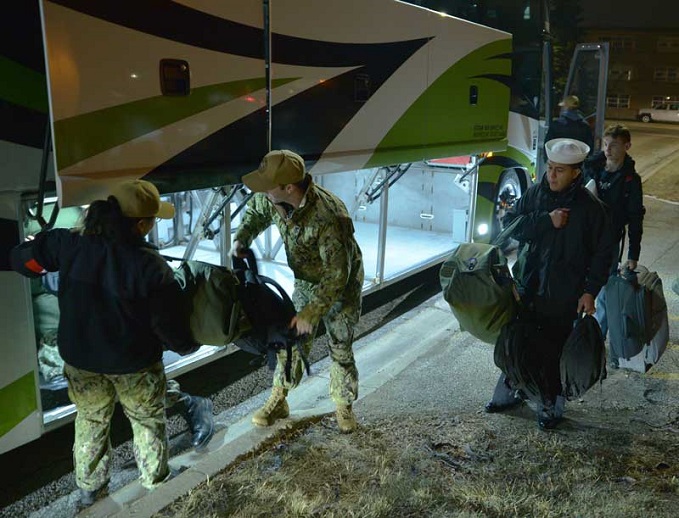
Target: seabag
[
  {"x": 637, "y": 314},
  {"x": 516, "y": 355},
  {"x": 211, "y": 294},
  {"x": 583, "y": 359},
  {"x": 479, "y": 288},
  {"x": 656, "y": 329}
]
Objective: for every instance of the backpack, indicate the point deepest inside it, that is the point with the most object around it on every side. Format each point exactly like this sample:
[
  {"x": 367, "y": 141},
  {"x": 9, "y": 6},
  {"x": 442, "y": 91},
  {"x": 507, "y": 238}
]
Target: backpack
[
  {"x": 479, "y": 287},
  {"x": 269, "y": 311},
  {"x": 583, "y": 358}
]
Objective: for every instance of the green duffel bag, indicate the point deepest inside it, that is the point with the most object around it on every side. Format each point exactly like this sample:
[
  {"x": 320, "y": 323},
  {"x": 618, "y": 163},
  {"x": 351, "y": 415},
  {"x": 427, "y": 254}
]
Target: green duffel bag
[
  {"x": 479, "y": 287},
  {"x": 216, "y": 313}
]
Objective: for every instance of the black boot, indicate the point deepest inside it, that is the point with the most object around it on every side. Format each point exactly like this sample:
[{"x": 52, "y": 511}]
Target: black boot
[
  {"x": 493, "y": 408},
  {"x": 198, "y": 414}
]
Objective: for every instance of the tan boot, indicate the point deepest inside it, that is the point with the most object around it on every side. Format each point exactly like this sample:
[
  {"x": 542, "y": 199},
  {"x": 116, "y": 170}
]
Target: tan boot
[
  {"x": 276, "y": 407},
  {"x": 346, "y": 420}
]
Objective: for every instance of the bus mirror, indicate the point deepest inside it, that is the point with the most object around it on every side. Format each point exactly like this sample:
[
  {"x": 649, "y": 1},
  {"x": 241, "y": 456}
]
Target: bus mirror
[{"x": 175, "y": 77}]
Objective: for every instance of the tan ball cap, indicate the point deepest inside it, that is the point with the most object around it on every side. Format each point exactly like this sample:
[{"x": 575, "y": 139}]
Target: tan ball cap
[
  {"x": 570, "y": 102},
  {"x": 277, "y": 168},
  {"x": 141, "y": 199}
]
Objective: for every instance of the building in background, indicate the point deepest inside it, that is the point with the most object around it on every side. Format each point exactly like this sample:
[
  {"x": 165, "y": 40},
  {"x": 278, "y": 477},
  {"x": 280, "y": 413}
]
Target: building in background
[{"x": 643, "y": 68}]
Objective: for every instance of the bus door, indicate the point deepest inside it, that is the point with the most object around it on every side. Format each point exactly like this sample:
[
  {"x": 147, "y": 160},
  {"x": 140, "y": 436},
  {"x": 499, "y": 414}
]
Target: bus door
[{"x": 587, "y": 79}]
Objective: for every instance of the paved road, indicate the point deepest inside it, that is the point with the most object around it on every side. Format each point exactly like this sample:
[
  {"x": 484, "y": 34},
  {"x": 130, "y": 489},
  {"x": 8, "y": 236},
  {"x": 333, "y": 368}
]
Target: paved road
[{"x": 655, "y": 149}]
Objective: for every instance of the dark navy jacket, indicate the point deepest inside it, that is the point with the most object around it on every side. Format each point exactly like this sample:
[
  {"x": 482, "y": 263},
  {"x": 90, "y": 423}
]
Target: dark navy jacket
[
  {"x": 555, "y": 267},
  {"x": 571, "y": 124},
  {"x": 119, "y": 303},
  {"x": 621, "y": 192}
]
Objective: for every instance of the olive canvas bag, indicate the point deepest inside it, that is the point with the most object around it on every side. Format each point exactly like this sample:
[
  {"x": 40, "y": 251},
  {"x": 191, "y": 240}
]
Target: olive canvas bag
[{"x": 479, "y": 288}]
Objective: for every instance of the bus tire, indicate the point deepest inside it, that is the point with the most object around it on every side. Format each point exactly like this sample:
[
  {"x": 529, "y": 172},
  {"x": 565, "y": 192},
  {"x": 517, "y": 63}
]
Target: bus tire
[{"x": 510, "y": 188}]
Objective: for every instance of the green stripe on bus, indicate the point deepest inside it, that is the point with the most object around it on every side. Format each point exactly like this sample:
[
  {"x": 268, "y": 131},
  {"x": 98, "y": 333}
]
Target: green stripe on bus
[
  {"x": 84, "y": 136},
  {"x": 26, "y": 87},
  {"x": 465, "y": 130},
  {"x": 18, "y": 401}
]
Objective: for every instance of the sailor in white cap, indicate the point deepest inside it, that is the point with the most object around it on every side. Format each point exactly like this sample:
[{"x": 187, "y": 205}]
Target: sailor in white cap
[{"x": 563, "y": 262}]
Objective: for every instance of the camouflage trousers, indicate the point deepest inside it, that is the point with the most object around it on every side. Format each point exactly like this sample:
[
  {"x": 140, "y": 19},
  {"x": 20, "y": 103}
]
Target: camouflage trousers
[
  {"x": 339, "y": 323},
  {"x": 173, "y": 394},
  {"x": 142, "y": 396}
]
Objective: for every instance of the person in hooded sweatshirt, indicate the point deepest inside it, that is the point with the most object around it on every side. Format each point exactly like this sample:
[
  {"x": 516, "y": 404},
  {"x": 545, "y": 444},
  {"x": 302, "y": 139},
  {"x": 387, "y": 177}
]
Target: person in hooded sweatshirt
[
  {"x": 565, "y": 244},
  {"x": 618, "y": 185}
]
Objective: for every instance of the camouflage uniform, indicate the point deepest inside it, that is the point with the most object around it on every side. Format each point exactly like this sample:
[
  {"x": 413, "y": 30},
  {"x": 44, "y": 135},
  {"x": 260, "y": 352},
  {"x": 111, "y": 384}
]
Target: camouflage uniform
[
  {"x": 142, "y": 396},
  {"x": 46, "y": 320},
  {"x": 173, "y": 394},
  {"x": 328, "y": 267}
]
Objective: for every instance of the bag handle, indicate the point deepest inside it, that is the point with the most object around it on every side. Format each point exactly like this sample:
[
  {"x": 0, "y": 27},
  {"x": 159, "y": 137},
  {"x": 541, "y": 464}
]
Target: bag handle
[
  {"x": 508, "y": 230},
  {"x": 249, "y": 262}
]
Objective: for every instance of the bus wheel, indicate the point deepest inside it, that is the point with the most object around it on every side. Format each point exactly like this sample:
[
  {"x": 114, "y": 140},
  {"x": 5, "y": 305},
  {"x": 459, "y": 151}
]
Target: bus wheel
[{"x": 508, "y": 192}]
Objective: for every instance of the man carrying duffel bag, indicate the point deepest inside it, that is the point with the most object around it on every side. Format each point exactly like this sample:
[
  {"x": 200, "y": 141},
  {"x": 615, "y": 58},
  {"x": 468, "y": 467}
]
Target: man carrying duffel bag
[
  {"x": 563, "y": 261},
  {"x": 619, "y": 186}
]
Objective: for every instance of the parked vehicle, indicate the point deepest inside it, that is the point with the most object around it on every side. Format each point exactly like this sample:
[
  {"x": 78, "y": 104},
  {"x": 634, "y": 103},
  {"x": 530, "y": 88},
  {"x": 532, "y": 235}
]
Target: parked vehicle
[{"x": 662, "y": 112}]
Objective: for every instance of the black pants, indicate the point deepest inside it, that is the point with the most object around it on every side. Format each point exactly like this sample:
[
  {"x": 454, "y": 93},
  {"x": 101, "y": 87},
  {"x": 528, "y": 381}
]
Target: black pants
[{"x": 549, "y": 334}]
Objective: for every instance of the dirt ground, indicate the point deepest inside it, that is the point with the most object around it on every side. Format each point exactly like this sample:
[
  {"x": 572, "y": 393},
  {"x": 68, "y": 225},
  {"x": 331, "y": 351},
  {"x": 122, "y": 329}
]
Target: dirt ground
[{"x": 617, "y": 455}]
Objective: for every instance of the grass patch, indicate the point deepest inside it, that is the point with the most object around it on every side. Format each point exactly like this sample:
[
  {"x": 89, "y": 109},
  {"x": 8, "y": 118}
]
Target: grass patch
[{"x": 448, "y": 466}]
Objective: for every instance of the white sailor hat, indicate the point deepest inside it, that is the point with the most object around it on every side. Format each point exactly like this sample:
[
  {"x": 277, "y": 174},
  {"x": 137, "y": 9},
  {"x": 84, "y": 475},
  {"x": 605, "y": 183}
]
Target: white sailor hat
[{"x": 566, "y": 150}]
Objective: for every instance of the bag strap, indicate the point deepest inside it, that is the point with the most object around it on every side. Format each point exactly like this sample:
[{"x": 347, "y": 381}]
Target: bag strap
[
  {"x": 249, "y": 262},
  {"x": 288, "y": 361},
  {"x": 508, "y": 230},
  {"x": 284, "y": 295},
  {"x": 288, "y": 339}
]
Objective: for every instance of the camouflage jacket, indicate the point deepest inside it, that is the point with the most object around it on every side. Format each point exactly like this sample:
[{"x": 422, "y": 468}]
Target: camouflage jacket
[{"x": 319, "y": 243}]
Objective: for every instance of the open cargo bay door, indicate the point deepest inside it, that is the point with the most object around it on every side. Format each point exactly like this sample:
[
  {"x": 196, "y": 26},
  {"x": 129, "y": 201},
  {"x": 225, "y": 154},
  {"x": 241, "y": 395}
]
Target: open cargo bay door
[
  {"x": 191, "y": 95},
  {"x": 160, "y": 90},
  {"x": 384, "y": 82}
]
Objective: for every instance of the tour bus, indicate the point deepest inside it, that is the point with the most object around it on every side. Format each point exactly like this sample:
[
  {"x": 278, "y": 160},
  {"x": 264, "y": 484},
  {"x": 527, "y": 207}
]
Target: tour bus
[{"x": 191, "y": 95}]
